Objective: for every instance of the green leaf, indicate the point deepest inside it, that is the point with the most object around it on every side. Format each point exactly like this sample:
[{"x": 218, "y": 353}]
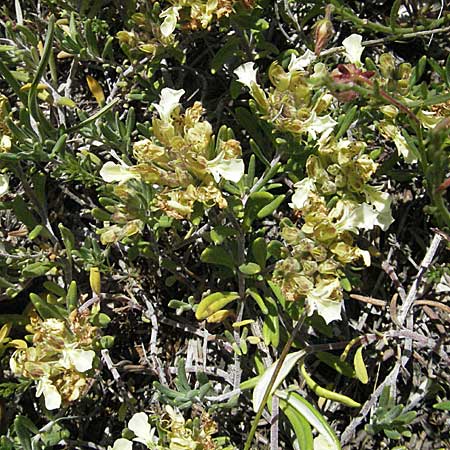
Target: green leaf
[
  {"x": 312, "y": 416},
  {"x": 217, "y": 256},
  {"x": 300, "y": 425},
  {"x": 259, "y": 251},
  {"x": 214, "y": 302},
  {"x": 360, "y": 367},
  {"x": 220, "y": 233},
  {"x": 68, "y": 239},
  {"x": 258, "y": 299},
  {"x": 256, "y": 201},
  {"x": 418, "y": 71},
  {"x": 72, "y": 296},
  {"x": 345, "y": 121},
  {"x": 226, "y": 52},
  {"x": 45, "y": 310},
  {"x": 392, "y": 434},
  {"x": 25, "y": 429},
  {"x": 336, "y": 363},
  {"x": 394, "y": 14},
  {"x": 35, "y": 232},
  {"x": 56, "y": 433},
  {"x": 447, "y": 71},
  {"x": 263, "y": 383},
  {"x": 444, "y": 406},
  {"x": 250, "y": 268},
  {"x": 36, "y": 269},
  {"x": 271, "y": 207},
  {"x": 22, "y": 212}
]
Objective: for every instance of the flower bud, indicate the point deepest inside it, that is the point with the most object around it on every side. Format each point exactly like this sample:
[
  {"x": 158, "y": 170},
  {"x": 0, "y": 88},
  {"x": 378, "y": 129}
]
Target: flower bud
[{"x": 322, "y": 33}]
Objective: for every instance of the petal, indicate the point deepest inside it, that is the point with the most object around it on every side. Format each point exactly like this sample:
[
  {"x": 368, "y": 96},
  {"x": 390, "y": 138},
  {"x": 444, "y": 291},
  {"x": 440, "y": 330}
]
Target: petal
[
  {"x": 122, "y": 444},
  {"x": 228, "y": 169},
  {"x": 362, "y": 217},
  {"x": 169, "y": 100},
  {"x": 320, "y": 298},
  {"x": 139, "y": 425},
  {"x": 353, "y": 48},
  {"x": 318, "y": 124},
  {"x": 4, "y": 184},
  {"x": 51, "y": 395},
  {"x": 301, "y": 62},
  {"x": 112, "y": 172},
  {"x": 81, "y": 359},
  {"x": 302, "y": 190},
  {"x": 246, "y": 74},
  {"x": 170, "y": 22}
]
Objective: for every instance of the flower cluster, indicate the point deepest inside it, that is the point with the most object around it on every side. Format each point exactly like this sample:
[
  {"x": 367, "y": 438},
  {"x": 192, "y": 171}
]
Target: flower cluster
[
  {"x": 290, "y": 105},
  {"x": 298, "y": 101},
  {"x": 157, "y": 31},
  {"x": 183, "y": 162},
  {"x": 194, "y": 14},
  {"x": 175, "y": 433},
  {"x": 59, "y": 359},
  {"x": 334, "y": 201}
]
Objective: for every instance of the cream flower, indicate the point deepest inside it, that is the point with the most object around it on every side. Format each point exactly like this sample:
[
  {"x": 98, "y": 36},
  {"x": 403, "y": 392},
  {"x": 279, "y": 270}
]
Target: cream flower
[
  {"x": 80, "y": 359},
  {"x": 301, "y": 194},
  {"x": 319, "y": 125},
  {"x": 301, "y": 62},
  {"x": 353, "y": 48},
  {"x": 246, "y": 74},
  {"x": 139, "y": 425},
  {"x": 228, "y": 169},
  {"x": 170, "y": 16},
  {"x": 322, "y": 298},
  {"x": 51, "y": 395},
  {"x": 121, "y": 444},
  {"x": 113, "y": 173},
  {"x": 4, "y": 184},
  {"x": 169, "y": 100}
]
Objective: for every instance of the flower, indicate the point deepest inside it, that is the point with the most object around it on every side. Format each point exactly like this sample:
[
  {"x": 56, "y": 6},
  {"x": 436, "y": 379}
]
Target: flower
[
  {"x": 392, "y": 132},
  {"x": 112, "y": 172},
  {"x": 169, "y": 100},
  {"x": 326, "y": 299},
  {"x": 302, "y": 190},
  {"x": 301, "y": 62},
  {"x": 246, "y": 74},
  {"x": 319, "y": 124},
  {"x": 121, "y": 444},
  {"x": 139, "y": 425},
  {"x": 363, "y": 217},
  {"x": 51, "y": 394},
  {"x": 4, "y": 184},
  {"x": 353, "y": 48},
  {"x": 170, "y": 16},
  {"x": 228, "y": 169},
  {"x": 80, "y": 359}
]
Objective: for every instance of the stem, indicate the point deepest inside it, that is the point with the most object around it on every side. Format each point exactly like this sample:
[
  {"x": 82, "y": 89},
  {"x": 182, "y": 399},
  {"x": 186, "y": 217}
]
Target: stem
[
  {"x": 378, "y": 27},
  {"x": 280, "y": 362}
]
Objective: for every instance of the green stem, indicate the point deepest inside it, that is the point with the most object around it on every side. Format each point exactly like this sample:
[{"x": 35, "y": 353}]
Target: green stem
[
  {"x": 345, "y": 13},
  {"x": 443, "y": 214},
  {"x": 278, "y": 367}
]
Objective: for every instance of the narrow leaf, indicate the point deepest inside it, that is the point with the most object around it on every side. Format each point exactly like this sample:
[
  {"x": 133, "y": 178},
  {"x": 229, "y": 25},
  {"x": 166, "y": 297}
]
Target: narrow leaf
[
  {"x": 260, "y": 389},
  {"x": 214, "y": 302},
  {"x": 360, "y": 367},
  {"x": 312, "y": 416}
]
